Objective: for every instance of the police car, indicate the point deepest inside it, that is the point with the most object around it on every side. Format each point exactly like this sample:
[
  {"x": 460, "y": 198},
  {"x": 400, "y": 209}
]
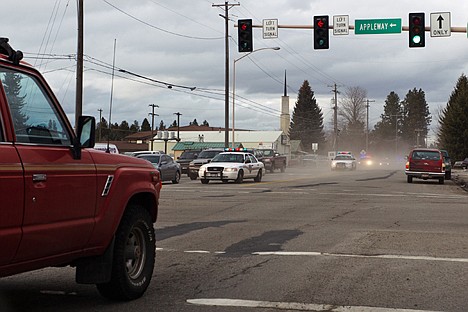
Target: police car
[
  {"x": 235, "y": 165},
  {"x": 343, "y": 160}
]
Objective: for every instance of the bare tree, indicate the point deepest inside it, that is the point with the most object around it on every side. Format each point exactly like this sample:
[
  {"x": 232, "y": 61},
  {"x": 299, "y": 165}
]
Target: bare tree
[{"x": 352, "y": 113}]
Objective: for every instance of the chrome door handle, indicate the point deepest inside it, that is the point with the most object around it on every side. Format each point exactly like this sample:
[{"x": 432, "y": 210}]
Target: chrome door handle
[{"x": 39, "y": 177}]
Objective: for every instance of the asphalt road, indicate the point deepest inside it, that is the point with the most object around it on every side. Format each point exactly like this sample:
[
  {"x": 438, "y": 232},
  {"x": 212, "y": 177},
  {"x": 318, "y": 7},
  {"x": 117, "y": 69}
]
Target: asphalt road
[{"x": 303, "y": 240}]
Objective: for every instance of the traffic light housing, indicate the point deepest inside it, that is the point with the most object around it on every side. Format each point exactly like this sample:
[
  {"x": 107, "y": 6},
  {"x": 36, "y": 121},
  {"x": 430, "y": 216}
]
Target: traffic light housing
[
  {"x": 416, "y": 30},
  {"x": 244, "y": 35},
  {"x": 321, "y": 37}
]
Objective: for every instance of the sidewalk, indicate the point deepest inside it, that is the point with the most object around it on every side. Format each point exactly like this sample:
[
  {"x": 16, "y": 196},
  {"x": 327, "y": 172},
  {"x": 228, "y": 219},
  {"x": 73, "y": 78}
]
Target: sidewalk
[{"x": 460, "y": 177}]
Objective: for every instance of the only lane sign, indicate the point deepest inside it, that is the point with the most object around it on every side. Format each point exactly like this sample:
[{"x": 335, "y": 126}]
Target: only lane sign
[
  {"x": 377, "y": 26},
  {"x": 441, "y": 24}
]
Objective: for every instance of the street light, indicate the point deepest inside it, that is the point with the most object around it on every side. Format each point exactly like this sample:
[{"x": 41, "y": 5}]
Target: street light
[{"x": 234, "y": 87}]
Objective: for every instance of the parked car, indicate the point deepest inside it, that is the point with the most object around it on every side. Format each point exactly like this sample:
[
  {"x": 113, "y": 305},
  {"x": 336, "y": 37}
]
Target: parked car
[
  {"x": 424, "y": 163},
  {"x": 185, "y": 158},
  {"x": 448, "y": 164},
  {"x": 204, "y": 157},
  {"x": 167, "y": 167},
  {"x": 235, "y": 166}
]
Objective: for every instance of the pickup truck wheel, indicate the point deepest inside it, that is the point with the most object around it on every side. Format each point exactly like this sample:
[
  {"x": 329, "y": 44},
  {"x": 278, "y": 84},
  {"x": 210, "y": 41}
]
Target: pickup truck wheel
[
  {"x": 134, "y": 256},
  {"x": 258, "y": 178},
  {"x": 240, "y": 177},
  {"x": 441, "y": 180},
  {"x": 176, "y": 178},
  {"x": 204, "y": 181},
  {"x": 193, "y": 176},
  {"x": 409, "y": 179}
]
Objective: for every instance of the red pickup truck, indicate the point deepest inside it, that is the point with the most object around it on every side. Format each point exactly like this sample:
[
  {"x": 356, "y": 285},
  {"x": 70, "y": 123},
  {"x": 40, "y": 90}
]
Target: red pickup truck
[{"x": 64, "y": 203}]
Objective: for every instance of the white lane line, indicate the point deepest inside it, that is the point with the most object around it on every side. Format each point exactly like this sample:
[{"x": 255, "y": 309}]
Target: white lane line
[
  {"x": 326, "y": 254},
  {"x": 398, "y": 257},
  {"x": 293, "y": 306}
]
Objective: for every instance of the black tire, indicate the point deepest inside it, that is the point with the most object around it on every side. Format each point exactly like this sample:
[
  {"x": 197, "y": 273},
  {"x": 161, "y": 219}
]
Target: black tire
[
  {"x": 240, "y": 177},
  {"x": 204, "y": 181},
  {"x": 176, "y": 178},
  {"x": 448, "y": 175},
  {"x": 134, "y": 256},
  {"x": 193, "y": 176},
  {"x": 258, "y": 178},
  {"x": 409, "y": 179},
  {"x": 441, "y": 180}
]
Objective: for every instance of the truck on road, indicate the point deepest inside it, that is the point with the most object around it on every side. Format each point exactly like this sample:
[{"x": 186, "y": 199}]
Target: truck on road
[
  {"x": 63, "y": 202},
  {"x": 271, "y": 159}
]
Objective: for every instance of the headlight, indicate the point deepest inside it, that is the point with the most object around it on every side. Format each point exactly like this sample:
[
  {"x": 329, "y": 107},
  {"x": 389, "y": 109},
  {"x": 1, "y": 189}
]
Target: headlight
[{"x": 230, "y": 169}]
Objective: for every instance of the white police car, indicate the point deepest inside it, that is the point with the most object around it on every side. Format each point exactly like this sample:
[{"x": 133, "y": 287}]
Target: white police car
[
  {"x": 235, "y": 165},
  {"x": 343, "y": 160}
]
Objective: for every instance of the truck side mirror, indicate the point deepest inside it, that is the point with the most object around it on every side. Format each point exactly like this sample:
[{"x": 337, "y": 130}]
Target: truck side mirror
[{"x": 86, "y": 135}]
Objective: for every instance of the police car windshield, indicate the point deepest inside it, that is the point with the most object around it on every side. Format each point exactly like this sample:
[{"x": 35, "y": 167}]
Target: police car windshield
[
  {"x": 343, "y": 157},
  {"x": 233, "y": 158}
]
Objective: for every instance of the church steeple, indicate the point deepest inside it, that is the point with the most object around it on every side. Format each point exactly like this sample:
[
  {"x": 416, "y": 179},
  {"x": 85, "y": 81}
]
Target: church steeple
[{"x": 285, "y": 85}]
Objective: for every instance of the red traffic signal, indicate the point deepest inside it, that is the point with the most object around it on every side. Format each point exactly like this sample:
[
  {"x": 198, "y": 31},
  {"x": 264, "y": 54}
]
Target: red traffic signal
[
  {"x": 321, "y": 36},
  {"x": 244, "y": 35},
  {"x": 416, "y": 30}
]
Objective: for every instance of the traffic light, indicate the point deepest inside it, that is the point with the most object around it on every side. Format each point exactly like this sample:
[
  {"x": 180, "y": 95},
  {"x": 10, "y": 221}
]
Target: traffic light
[
  {"x": 321, "y": 32},
  {"x": 416, "y": 30},
  {"x": 244, "y": 35}
]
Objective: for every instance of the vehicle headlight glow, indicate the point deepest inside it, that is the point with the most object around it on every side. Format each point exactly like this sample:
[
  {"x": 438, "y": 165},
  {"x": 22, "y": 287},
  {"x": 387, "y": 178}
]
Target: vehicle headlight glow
[{"x": 230, "y": 169}]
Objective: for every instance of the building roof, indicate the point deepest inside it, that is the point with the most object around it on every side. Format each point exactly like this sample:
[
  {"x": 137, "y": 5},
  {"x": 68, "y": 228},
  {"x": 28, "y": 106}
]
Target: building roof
[
  {"x": 240, "y": 136},
  {"x": 189, "y": 145}
]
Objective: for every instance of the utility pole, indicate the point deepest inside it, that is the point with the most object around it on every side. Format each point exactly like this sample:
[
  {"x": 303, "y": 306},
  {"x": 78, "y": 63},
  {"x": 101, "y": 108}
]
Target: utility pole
[
  {"x": 178, "y": 125},
  {"x": 152, "y": 123},
  {"x": 367, "y": 124},
  {"x": 226, "y": 6},
  {"x": 79, "y": 66},
  {"x": 100, "y": 123},
  {"x": 418, "y": 133},
  {"x": 335, "y": 116}
]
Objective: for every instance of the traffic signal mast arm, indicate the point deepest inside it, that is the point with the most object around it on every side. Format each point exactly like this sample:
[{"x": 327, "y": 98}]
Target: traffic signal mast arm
[{"x": 351, "y": 27}]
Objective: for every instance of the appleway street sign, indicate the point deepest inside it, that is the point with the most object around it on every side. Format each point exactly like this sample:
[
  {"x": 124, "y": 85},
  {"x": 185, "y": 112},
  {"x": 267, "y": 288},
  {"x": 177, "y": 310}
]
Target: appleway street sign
[{"x": 377, "y": 26}]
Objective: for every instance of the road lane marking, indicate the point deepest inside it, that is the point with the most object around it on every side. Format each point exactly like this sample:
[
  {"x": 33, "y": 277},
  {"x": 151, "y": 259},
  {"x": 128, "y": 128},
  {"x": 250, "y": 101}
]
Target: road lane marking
[
  {"x": 327, "y": 254},
  {"x": 292, "y": 305}
]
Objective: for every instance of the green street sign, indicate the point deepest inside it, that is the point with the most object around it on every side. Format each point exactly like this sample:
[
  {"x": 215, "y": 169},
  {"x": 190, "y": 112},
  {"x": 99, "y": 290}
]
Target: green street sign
[{"x": 377, "y": 26}]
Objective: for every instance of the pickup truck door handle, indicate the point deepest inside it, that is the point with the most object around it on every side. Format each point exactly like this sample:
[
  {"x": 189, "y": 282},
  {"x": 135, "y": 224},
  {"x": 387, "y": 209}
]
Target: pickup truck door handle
[{"x": 39, "y": 177}]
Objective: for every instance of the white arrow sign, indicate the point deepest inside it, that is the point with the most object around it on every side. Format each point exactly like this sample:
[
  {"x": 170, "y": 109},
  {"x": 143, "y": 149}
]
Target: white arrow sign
[{"x": 441, "y": 24}]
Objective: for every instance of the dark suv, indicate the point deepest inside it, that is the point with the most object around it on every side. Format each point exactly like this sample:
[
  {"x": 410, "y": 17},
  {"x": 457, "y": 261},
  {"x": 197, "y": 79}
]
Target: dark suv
[
  {"x": 448, "y": 165},
  {"x": 186, "y": 157},
  {"x": 204, "y": 157},
  {"x": 424, "y": 163}
]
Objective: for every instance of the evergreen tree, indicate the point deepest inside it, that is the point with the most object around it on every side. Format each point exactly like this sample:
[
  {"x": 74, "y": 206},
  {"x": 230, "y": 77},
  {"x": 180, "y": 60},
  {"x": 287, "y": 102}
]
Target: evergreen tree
[
  {"x": 174, "y": 124},
  {"x": 145, "y": 125},
  {"x": 453, "y": 131},
  {"x": 416, "y": 118},
  {"x": 307, "y": 119},
  {"x": 162, "y": 126},
  {"x": 135, "y": 127},
  {"x": 386, "y": 131},
  {"x": 194, "y": 122},
  {"x": 205, "y": 123}
]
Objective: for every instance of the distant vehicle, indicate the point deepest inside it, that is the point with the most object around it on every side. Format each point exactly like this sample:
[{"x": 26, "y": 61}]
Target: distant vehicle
[
  {"x": 204, "y": 157},
  {"x": 186, "y": 157},
  {"x": 448, "y": 165},
  {"x": 271, "y": 159},
  {"x": 424, "y": 163},
  {"x": 169, "y": 170},
  {"x": 145, "y": 153},
  {"x": 235, "y": 166},
  {"x": 461, "y": 164},
  {"x": 103, "y": 147},
  {"x": 344, "y": 162},
  {"x": 309, "y": 160}
]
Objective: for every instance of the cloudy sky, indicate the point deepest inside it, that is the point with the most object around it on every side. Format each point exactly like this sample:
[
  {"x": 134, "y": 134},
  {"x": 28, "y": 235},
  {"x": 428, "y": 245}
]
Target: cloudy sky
[{"x": 181, "y": 42}]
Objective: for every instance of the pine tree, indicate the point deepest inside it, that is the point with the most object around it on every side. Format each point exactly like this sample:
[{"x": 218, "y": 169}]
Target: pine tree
[
  {"x": 307, "y": 119},
  {"x": 145, "y": 125},
  {"x": 416, "y": 118},
  {"x": 387, "y": 130},
  {"x": 453, "y": 132},
  {"x": 12, "y": 86}
]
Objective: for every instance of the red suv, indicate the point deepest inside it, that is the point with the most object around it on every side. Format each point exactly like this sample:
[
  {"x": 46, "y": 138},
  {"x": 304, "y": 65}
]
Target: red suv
[{"x": 424, "y": 163}]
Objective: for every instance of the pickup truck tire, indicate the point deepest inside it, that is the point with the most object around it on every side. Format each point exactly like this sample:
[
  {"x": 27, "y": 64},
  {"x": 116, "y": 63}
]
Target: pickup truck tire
[
  {"x": 409, "y": 179},
  {"x": 193, "y": 176},
  {"x": 176, "y": 178},
  {"x": 441, "y": 180},
  {"x": 204, "y": 181},
  {"x": 134, "y": 256}
]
